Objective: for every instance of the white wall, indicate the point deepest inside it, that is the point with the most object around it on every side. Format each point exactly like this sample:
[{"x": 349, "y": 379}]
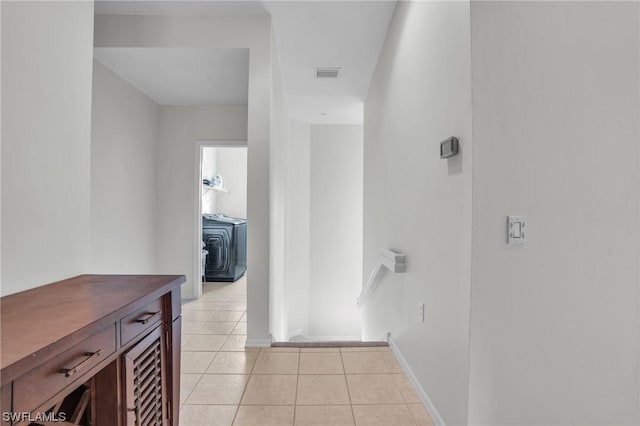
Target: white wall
[
  {"x": 253, "y": 32},
  {"x": 180, "y": 129},
  {"x": 416, "y": 202},
  {"x": 232, "y": 166},
  {"x": 336, "y": 173},
  {"x": 1, "y": 292},
  {"x": 46, "y": 79},
  {"x": 298, "y": 226},
  {"x": 124, "y": 126},
  {"x": 554, "y": 338},
  {"x": 209, "y": 168},
  {"x": 554, "y": 323},
  {"x": 278, "y": 197},
  {"x": 319, "y": 175}
]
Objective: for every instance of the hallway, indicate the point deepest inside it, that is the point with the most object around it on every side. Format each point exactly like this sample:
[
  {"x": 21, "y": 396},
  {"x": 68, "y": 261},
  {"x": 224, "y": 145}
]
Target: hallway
[{"x": 223, "y": 383}]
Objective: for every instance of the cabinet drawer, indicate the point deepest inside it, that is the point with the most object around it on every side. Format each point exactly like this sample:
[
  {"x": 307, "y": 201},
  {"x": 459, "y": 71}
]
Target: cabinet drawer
[
  {"x": 140, "y": 320},
  {"x": 44, "y": 381}
]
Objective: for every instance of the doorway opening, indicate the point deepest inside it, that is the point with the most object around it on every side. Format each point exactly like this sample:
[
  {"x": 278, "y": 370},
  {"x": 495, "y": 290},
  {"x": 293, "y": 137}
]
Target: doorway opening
[{"x": 221, "y": 222}]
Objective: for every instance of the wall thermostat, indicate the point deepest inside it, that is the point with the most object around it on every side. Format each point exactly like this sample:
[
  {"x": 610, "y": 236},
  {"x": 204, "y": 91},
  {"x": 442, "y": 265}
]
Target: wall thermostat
[{"x": 449, "y": 147}]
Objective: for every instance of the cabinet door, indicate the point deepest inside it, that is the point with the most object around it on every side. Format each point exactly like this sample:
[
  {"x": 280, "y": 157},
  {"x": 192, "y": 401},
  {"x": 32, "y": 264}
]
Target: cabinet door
[
  {"x": 174, "y": 389},
  {"x": 145, "y": 381},
  {"x": 5, "y": 405}
]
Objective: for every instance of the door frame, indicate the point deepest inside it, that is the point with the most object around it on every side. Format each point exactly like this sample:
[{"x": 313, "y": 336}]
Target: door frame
[{"x": 197, "y": 229}]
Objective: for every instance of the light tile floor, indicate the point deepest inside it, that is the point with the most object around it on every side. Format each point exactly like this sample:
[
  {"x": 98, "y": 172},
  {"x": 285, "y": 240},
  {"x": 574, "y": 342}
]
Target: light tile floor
[{"x": 224, "y": 383}]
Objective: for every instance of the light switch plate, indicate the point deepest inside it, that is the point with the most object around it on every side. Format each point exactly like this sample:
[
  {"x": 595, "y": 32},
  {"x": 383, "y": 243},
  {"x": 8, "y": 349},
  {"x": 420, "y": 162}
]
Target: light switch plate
[{"x": 516, "y": 229}]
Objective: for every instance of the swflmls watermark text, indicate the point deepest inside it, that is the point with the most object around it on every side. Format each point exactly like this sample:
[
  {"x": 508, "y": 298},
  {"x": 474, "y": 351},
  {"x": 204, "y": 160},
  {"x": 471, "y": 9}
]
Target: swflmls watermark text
[{"x": 25, "y": 416}]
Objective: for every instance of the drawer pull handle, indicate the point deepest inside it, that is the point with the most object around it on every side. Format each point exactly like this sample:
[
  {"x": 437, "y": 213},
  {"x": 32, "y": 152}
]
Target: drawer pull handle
[
  {"x": 68, "y": 372},
  {"x": 147, "y": 317}
]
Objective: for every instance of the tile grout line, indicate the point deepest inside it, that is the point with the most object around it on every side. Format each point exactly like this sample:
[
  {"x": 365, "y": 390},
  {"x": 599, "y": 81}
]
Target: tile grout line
[
  {"x": 353, "y": 415},
  {"x": 246, "y": 385},
  {"x": 191, "y": 391},
  {"x": 295, "y": 397},
  {"x": 201, "y": 374},
  {"x": 386, "y": 362},
  {"x": 217, "y": 353}
]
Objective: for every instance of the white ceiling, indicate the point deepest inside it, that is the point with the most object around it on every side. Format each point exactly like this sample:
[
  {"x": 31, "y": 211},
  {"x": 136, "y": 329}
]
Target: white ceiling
[
  {"x": 345, "y": 34},
  {"x": 183, "y": 76},
  {"x": 308, "y": 34}
]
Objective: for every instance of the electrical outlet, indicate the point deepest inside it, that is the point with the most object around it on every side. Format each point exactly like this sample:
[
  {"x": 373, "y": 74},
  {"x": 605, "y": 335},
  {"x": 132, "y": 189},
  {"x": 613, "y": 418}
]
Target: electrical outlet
[
  {"x": 516, "y": 229},
  {"x": 421, "y": 311}
]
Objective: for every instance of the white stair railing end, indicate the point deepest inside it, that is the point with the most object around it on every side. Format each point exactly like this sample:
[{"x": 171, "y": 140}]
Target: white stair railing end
[{"x": 393, "y": 261}]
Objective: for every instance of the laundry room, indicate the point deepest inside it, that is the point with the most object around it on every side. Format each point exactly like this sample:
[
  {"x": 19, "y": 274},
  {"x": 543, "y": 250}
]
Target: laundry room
[{"x": 224, "y": 212}]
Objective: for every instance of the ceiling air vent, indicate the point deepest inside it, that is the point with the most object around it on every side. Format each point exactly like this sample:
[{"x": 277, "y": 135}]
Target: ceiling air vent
[{"x": 327, "y": 72}]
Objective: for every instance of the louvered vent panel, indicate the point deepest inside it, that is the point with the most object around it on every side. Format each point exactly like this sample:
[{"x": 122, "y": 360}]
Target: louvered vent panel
[
  {"x": 327, "y": 72},
  {"x": 147, "y": 386}
]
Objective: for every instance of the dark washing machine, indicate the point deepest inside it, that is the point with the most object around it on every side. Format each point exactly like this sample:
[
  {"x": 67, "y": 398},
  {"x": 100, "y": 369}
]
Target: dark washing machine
[{"x": 225, "y": 239}]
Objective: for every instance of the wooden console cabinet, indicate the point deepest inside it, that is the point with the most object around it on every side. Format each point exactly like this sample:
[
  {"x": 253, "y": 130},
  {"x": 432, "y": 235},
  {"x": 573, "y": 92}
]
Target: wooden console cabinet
[{"x": 116, "y": 338}]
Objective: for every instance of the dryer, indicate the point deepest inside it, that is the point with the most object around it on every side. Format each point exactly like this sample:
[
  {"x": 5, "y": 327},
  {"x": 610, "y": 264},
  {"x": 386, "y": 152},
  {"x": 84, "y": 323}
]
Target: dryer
[{"x": 225, "y": 239}]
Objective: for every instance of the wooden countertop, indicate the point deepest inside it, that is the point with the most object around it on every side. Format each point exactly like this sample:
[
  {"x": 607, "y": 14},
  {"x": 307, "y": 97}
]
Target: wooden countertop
[{"x": 34, "y": 320}]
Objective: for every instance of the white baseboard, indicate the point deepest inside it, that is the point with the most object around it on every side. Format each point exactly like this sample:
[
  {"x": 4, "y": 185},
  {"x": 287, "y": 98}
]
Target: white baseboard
[
  {"x": 296, "y": 334},
  {"x": 422, "y": 394},
  {"x": 187, "y": 296},
  {"x": 258, "y": 343},
  {"x": 298, "y": 338}
]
